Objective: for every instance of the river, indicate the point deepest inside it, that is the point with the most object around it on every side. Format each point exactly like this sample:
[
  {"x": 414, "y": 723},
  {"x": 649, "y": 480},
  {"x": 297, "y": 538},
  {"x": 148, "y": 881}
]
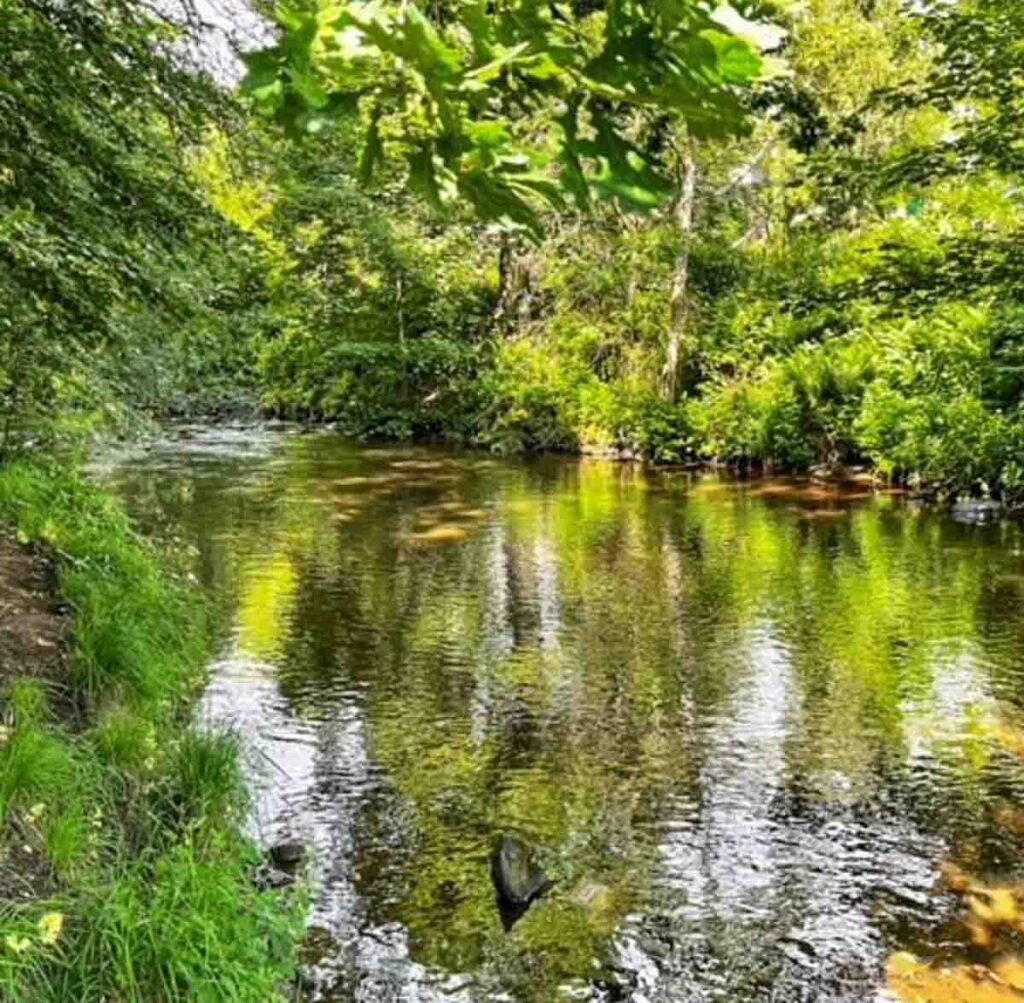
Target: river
[{"x": 746, "y": 725}]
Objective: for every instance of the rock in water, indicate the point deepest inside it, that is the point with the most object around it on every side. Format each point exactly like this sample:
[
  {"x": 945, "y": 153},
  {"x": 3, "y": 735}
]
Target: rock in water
[
  {"x": 287, "y": 855},
  {"x": 281, "y": 865},
  {"x": 518, "y": 880},
  {"x": 516, "y": 876}
]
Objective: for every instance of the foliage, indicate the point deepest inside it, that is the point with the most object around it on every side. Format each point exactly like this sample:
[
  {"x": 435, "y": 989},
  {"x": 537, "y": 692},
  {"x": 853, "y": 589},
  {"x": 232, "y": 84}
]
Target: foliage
[
  {"x": 116, "y": 279},
  {"x": 133, "y": 815},
  {"x": 850, "y": 275},
  {"x": 452, "y": 92},
  {"x": 138, "y": 635},
  {"x": 846, "y": 305},
  {"x": 187, "y": 925},
  {"x": 975, "y": 81}
]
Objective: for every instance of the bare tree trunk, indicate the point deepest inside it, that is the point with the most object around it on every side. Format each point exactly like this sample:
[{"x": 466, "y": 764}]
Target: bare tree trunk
[
  {"x": 400, "y": 310},
  {"x": 679, "y": 299},
  {"x": 517, "y": 285},
  {"x": 505, "y": 257}
]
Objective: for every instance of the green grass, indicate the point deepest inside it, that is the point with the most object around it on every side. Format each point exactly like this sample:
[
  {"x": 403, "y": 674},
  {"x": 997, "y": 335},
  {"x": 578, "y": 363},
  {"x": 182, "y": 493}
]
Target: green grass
[
  {"x": 179, "y": 927},
  {"x": 66, "y": 836},
  {"x": 139, "y": 634},
  {"x": 131, "y": 815},
  {"x": 33, "y": 764},
  {"x": 205, "y": 782}
]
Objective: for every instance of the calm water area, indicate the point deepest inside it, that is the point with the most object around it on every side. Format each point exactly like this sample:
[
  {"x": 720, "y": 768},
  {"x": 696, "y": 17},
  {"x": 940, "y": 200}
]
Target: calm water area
[{"x": 745, "y": 725}]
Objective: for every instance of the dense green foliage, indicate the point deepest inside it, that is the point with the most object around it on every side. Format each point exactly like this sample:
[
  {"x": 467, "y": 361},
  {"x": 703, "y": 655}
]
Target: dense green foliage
[
  {"x": 851, "y": 281},
  {"x": 823, "y": 270},
  {"x": 482, "y": 99},
  {"x": 117, "y": 284}
]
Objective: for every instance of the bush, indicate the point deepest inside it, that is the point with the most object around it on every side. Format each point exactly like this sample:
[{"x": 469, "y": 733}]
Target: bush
[
  {"x": 951, "y": 445},
  {"x": 753, "y": 420},
  {"x": 389, "y": 389}
]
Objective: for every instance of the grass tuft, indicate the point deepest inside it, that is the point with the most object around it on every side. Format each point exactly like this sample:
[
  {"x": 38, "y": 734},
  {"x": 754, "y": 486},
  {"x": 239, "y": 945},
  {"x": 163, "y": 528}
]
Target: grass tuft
[
  {"x": 206, "y": 784},
  {"x": 26, "y": 702},
  {"x": 33, "y": 765}
]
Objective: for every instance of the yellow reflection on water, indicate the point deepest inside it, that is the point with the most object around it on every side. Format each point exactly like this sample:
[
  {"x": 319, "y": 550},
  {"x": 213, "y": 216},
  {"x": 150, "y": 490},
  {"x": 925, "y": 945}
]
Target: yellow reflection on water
[
  {"x": 911, "y": 980},
  {"x": 439, "y": 534},
  {"x": 266, "y": 598}
]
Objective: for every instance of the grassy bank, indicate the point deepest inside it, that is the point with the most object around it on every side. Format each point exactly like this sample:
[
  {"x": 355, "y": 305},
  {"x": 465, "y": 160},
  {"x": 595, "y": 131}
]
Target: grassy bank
[{"x": 119, "y": 822}]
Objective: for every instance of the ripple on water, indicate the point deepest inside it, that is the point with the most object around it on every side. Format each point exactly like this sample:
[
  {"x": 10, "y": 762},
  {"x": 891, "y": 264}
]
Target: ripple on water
[{"x": 745, "y": 726}]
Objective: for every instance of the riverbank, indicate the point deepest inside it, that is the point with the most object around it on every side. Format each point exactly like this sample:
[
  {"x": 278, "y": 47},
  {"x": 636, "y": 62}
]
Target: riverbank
[
  {"x": 979, "y": 507},
  {"x": 123, "y": 871}
]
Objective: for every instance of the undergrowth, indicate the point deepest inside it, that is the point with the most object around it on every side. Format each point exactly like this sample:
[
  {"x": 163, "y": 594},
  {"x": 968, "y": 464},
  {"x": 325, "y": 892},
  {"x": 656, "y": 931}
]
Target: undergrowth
[{"x": 141, "y": 886}]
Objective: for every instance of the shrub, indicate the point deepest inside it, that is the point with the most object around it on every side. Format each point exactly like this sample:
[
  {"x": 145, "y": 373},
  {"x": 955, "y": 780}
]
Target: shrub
[{"x": 954, "y": 445}]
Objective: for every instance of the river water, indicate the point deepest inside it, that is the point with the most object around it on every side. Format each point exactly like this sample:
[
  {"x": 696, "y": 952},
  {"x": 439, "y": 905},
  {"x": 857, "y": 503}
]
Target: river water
[{"x": 745, "y": 725}]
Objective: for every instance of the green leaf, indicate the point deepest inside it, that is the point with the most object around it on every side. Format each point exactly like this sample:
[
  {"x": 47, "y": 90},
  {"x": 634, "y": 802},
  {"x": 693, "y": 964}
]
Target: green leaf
[
  {"x": 574, "y": 178},
  {"x": 308, "y": 88},
  {"x": 624, "y": 173},
  {"x": 455, "y": 87},
  {"x": 495, "y": 200},
  {"x": 490, "y": 134},
  {"x": 495, "y": 67},
  {"x": 263, "y": 68},
  {"x": 736, "y": 60}
]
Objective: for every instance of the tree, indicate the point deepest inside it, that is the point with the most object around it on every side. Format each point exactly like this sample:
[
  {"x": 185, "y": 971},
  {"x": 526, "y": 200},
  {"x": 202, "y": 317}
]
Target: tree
[
  {"x": 518, "y": 105},
  {"x": 108, "y": 256},
  {"x": 513, "y": 105},
  {"x": 679, "y": 298},
  {"x": 978, "y": 81}
]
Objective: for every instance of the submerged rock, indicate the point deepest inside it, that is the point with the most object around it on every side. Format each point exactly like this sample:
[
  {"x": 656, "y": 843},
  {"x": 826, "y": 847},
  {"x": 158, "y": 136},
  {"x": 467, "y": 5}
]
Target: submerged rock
[
  {"x": 518, "y": 880},
  {"x": 316, "y": 945},
  {"x": 591, "y": 895},
  {"x": 287, "y": 855},
  {"x": 269, "y": 879},
  {"x": 614, "y": 983}
]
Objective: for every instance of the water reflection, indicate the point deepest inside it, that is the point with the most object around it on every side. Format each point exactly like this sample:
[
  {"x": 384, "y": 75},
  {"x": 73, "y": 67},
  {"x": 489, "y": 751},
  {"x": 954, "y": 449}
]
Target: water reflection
[{"x": 745, "y": 725}]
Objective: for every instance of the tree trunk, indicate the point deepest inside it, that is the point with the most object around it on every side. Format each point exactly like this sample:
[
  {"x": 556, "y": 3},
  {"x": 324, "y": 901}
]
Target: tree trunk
[
  {"x": 679, "y": 299},
  {"x": 517, "y": 285},
  {"x": 504, "y": 274},
  {"x": 400, "y": 310}
]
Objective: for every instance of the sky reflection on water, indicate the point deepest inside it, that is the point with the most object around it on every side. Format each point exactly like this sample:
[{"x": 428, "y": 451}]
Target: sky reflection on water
[{"x": 745, "y": 724}]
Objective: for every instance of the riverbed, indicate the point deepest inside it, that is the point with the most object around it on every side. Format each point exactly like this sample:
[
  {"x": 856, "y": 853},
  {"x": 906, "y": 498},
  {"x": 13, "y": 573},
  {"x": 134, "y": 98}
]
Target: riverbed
[{"x": 746, "y": 725}]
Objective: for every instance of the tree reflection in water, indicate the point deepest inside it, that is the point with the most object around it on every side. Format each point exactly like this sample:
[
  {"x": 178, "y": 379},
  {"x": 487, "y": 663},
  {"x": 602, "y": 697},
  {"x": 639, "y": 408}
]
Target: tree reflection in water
[{"x": 747, "y": 722}]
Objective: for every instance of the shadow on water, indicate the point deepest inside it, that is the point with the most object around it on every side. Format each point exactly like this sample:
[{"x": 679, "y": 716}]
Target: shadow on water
[{"x": 767, "y": 738}]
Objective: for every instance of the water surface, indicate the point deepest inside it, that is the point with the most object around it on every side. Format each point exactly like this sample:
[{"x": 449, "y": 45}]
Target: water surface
[{"x": 745, "y": 724}]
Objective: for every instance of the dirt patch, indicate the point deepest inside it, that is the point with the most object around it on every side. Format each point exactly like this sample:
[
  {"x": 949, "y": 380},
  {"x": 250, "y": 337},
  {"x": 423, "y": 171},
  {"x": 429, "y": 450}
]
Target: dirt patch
[
  {"x": 33, "y": 626},
  {"x": 33, "y": 622}
]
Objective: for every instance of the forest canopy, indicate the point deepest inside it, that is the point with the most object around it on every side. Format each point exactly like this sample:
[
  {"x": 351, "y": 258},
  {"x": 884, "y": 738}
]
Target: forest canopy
[{"x": 769, "y": 234}]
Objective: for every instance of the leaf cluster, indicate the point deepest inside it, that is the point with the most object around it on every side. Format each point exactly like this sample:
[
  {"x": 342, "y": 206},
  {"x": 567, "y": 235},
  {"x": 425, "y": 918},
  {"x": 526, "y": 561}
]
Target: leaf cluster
[{"x": 513, "y": 104}]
